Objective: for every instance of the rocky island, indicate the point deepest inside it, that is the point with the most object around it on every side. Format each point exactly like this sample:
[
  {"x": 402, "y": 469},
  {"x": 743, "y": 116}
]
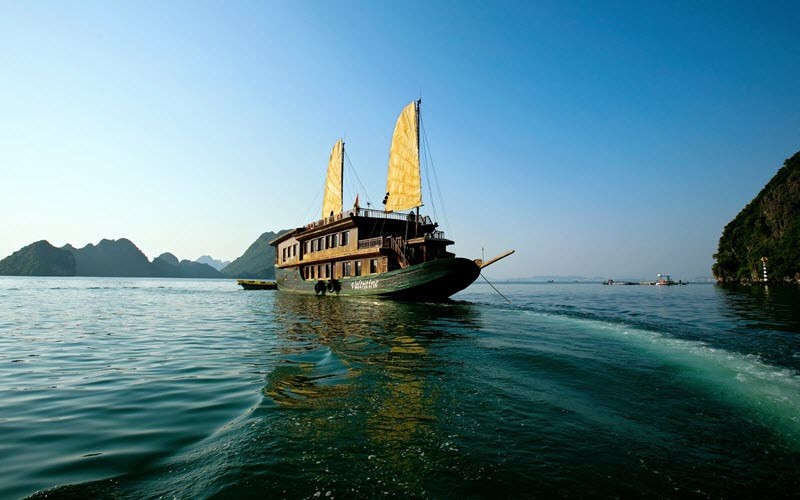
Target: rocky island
[
  {"x": 122, "y": 258},
  {"x": 766, "y": 233}
]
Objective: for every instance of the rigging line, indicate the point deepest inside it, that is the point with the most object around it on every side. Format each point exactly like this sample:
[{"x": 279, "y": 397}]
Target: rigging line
[
  {"x": 438, "y": 188},
  {"x": 424, "y": 160},
  {"x": 313, "y": 204},
  {"x": 349, "y": 190},
  {"x": 427, "y": 179},
  {"x": 353, "y": 170},
  {"x": 380, "y": 233},
  {"x": 495, "y": 289},
  {"x": 441, "y": 198},
  {"x": 436, "y": 179}
]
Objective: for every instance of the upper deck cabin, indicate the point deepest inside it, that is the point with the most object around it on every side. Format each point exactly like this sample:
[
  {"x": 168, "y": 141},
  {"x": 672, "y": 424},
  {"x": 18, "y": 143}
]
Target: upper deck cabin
[{"x": 360, "y": 242}]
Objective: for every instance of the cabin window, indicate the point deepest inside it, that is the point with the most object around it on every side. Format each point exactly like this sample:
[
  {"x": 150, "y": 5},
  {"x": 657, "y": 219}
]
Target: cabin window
[
  {"x": 312, "y": 272},
  {"x": 358, "y": 268},
  {"x": 327, "y": 270},
  {"x": 373, "y": 266},
  {"x": 345, "y": 238},
  {"x": 319, "y": 244},
  {"x": 345, "y": 269},
  {"x": 334, "y": 237}
]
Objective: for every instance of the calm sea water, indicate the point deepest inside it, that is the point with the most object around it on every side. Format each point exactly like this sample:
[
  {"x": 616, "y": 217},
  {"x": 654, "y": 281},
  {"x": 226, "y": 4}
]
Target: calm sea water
[{"x": 132, "y": 388}]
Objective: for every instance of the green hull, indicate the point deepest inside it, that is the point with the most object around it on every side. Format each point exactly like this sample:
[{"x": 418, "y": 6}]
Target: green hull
[
  {"x": 257, "y": 284},
  {"x": 433, "y": 280}
]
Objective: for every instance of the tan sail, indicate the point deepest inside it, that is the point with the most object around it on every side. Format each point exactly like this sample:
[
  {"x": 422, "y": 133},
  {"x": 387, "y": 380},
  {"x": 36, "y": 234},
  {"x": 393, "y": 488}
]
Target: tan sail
[
  {"x": 332, "y": 201},
  {"x": 403, "y": 184}
]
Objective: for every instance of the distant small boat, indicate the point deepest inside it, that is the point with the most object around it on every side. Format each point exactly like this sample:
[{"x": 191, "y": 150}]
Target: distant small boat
[
  {"x": 617, "y": 282},
  {"x": 666, "y": 280},
  {"x": 257, "y": 284}
]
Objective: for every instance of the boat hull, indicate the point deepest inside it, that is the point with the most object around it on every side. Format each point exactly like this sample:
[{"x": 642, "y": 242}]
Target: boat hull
[
  {"x": 433, "y": 280},
  {"x": 257, "y": 284}
]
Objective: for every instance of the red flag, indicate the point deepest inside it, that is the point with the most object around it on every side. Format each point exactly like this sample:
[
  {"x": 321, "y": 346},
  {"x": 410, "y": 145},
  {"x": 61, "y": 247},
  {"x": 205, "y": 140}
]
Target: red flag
[{"x": 356, "y": 203}]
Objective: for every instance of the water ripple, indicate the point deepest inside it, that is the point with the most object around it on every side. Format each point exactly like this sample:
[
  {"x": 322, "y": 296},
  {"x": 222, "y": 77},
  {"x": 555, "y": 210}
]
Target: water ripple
[{"x": 131, "y": 388}]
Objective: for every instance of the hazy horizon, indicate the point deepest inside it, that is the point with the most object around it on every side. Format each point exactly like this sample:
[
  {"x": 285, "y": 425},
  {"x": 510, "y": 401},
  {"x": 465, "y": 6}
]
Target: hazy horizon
[
  {"x": 520, "y": 278},
  {"x": 596, "y": 140}
]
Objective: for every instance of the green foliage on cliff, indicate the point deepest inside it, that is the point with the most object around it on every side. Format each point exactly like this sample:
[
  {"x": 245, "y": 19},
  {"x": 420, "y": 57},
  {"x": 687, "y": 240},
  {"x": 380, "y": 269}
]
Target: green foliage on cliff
[
  {"x": 769, "y": 226},
  {"x": 38, "y": 259},
  {"x": 257, "y": 261}
]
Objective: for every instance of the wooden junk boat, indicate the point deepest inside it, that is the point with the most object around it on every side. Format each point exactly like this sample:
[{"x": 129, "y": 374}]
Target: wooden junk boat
[{"x": 375, "y": 252}]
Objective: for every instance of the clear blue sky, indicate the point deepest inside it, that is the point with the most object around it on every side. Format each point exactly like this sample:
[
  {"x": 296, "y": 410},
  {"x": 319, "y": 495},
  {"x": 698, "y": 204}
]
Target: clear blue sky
[{"x": 595, "y": 138}]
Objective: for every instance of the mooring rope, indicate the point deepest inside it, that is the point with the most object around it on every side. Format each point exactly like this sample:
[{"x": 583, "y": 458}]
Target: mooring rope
[{"x": 495, "y": 289}]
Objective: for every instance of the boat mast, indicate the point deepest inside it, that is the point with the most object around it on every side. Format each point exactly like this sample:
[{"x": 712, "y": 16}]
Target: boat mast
[
  {"x": 341, "y": 188},
  {"x": 416, "y": 221}
]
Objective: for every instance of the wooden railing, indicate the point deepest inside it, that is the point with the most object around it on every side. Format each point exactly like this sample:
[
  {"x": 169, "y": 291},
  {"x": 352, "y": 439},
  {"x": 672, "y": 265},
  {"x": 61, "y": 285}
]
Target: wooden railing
[
  {"x": 372, "y": 214},
  {"x": 380, "y": 214},
  {"x": 371, "y": 242},
  {"x": 397, "y": 245}
]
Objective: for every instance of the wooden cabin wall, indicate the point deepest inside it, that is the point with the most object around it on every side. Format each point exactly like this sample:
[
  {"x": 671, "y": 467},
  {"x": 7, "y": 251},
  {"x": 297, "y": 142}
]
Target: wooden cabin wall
[
  {"x": 381, "y": 266},
  {"x": 288, "y": 252}
]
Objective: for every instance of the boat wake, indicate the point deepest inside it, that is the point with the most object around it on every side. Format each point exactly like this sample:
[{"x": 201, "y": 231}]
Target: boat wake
[{"x": 768, "y": 395}]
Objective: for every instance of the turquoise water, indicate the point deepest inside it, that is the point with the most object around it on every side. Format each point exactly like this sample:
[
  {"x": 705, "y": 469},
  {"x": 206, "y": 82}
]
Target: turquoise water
[{"x": 132, "y": 388}]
